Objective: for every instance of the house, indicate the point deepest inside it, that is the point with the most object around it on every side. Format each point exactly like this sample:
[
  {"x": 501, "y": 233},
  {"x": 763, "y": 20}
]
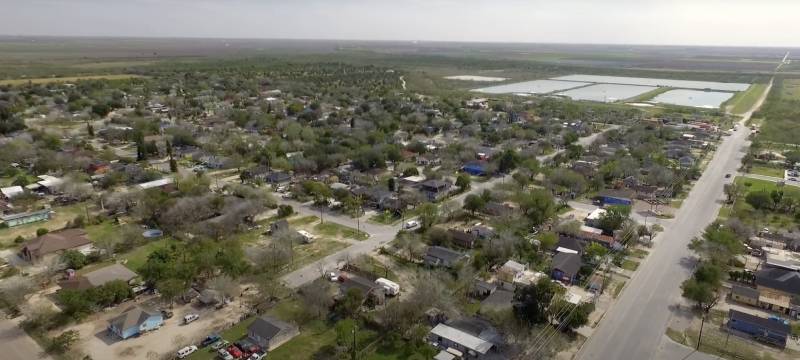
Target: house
[
  {"x": 462, "y": 238},
  {"x": 594, "y": 217},
  {"x": 269, "y": 332},
  {"x": 99, "y": 277},
  {"x": 744, "y": 294},
  {"x": 779, "y": 290},
  {"x": 476, "y": 168},
  {"x": 566, "y": 267},
  {"x": 441, "y": 256},
  {"x": 56, "y": 242},
  {"x": 368, "y": 288},
  {"x": 50, "y": 183},
  {"x": 277, "y": 178},
  {"x": 435, "y": 189},
  {"x": 569, "y": 244},
  {"x": 587, "y": 235},
  {"x": 771, "y": 331},
  {"x": 11, "y": 191},
  {"x": 473, "y": 338},
  {"x": 373, "y": 196},
  {"x": 135, "y": 321},
  {"x": 510, "y": 271},
  {"x": 686, "y": 161},
  {"x": 481, "y": 289},
  {"x": 18, "y": 219}
]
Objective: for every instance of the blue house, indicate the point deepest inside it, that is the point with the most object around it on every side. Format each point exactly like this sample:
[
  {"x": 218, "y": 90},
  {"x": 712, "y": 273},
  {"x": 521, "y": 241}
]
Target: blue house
[
  {"x": 476, "y": 168},
  {"x": 135, "y": 321},
  {"x": 772, "y": 331}
]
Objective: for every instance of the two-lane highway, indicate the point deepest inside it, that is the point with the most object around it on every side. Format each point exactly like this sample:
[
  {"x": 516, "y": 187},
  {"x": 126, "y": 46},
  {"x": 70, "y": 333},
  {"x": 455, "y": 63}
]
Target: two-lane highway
[{"x": 634, "y": 327}]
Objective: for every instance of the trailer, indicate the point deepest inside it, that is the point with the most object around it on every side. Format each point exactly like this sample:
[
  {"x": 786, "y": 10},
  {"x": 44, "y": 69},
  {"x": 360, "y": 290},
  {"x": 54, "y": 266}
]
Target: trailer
[{"x": 390, "y": 287}]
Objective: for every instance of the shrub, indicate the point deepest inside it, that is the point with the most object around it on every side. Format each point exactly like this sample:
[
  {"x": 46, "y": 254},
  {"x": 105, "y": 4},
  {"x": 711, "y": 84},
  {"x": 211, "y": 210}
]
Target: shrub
[{"x": 41, "y": 231}]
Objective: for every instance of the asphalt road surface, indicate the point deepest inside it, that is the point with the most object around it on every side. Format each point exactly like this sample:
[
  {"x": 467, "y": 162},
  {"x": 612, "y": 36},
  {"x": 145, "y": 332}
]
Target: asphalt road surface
[
  {"x": 379, "y": 235},
  {"x": 634, "y": 327}
]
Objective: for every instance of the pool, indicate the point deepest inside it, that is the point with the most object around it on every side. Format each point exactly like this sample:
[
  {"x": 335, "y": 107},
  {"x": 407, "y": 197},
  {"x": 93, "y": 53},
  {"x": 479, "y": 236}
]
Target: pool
[
  {"x": 606, "y": 93},
  {"x": 693, "y": 98}
]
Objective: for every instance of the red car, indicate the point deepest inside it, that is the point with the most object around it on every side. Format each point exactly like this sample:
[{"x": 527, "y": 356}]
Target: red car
[{"x": 235, "y": 352}]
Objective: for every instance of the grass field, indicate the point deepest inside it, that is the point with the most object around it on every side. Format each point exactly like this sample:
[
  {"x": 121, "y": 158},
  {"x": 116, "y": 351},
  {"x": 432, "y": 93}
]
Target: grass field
[
  {"x": 68, "y": 79},
  {"x": 767, "y": 171},
  {"x": 791, "y": 89},
  {"x": 334, "y": 229},
  {"x": 60, "y": 217},
  {"x": 742, "y": 210},
  {"x": 744, "y": 100}
]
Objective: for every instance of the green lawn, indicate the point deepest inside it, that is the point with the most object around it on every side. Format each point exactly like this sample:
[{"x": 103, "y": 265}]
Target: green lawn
[
  {"x": 630, "y": 265},
  {"x": 758, "y": 185},
  {"x": 744, "y": 100},
  {"x": 103, "y": 230},
  {"x": 384, "y": 218},
  {"x": 334, "y": 229},
  {"x": 767, "y": 171},
  {"x": 639, "y": 253},
  {"x": 305, "y": 220}
]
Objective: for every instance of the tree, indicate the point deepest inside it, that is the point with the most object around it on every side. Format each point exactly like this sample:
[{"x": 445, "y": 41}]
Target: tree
[
  {"x": 703, "y": 286},
  {"x": 350, "y": 303},
  {"x": 760, "y": 200},
  {"x": 538, "y": 205},
  {"x": 508, "y": 161},
  {"x": 316, "y": 296},
  {"x": 89, "y": 129},
  {"x": 614, "y": 217},
  {"x": 41, "y": 231},
  {"x": 732, "y": 191},
  {"x": 718, "y": 244},
  {"x": 428, "y": 214},
  {"x": 285, "y": 211},
  {"x": 170, "y": 289},
  {"x": 473, "y": 203},
  {"x": 594, "y": 252},
  {"x": 74, "y": 259},
  {"x": 463, "y": 182},
  {"x": 62, "y": 343},
  {"x": 533, "y": 301}
]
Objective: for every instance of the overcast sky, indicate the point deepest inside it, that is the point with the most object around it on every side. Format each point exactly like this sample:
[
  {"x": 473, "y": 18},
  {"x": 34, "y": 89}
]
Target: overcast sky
[{"x": 689, "y": 22}]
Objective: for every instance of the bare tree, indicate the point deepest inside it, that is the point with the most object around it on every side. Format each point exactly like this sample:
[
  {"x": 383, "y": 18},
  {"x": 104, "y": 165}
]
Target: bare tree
[
  {"x": 317, "y": 296},
  {"x": 225, "y": 285}
]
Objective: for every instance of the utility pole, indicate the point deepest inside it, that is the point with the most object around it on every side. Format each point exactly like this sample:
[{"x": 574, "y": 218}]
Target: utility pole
[
  {"x": 355, "y": 329},
  {"x": 700, "y": 336}
]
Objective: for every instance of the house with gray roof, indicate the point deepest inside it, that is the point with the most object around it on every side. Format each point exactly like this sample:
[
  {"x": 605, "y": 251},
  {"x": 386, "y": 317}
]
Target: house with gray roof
[
  {"x": 100, "y": 277},
  {"x": 134, "y": 321},
  {"x": 269, "y": 332}
]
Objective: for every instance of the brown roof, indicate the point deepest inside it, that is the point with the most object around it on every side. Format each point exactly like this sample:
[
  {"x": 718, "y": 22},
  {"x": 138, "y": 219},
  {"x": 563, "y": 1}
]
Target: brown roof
[
  {"x": 100, "y": 277},
  {"x": 57, "y": 241}
]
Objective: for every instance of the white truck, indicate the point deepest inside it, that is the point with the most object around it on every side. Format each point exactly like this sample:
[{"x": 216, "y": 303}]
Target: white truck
[{"x": 390, "y": 287}]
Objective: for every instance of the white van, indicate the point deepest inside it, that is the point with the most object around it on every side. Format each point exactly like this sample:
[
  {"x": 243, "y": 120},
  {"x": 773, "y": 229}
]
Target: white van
[
  {"x": 182, "y": 353},
  {"x": 189, "y": 318}
]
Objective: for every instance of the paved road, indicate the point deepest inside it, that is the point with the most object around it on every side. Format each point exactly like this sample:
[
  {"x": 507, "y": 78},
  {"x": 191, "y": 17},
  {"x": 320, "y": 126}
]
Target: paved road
[
  {"x": 634, "y": 327},
  {"x": 380, "y": 234},
  {"x": 15, "y": 344}
]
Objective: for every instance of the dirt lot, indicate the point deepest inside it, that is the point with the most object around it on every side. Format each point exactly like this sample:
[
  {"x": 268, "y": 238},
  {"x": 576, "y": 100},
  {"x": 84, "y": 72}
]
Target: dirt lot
[{"x": 160, "y": 343}]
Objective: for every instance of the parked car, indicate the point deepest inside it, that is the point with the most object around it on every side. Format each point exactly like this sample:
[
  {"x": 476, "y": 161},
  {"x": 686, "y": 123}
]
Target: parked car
[
  {"x": 333, "y": 276},
  {"x": 220, "y": 344},
  {"x": 210, "y": 339},
  {"x": 727, "y": 176},
  {"x": 182, "y": 353},
  {"x": 224, "y": 354},
  {"x": 189, "y": 318},
  {"x": 258, "y": 356},
  {"x": 166, "y": 314},
  {"x": 235, "y": 352},
  {"x": 247, "y": 347},
  {"x": 411, "y": 224}
]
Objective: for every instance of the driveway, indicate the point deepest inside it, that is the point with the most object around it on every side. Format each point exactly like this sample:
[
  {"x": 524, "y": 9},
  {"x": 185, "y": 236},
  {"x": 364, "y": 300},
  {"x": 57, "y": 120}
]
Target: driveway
[{"x": 15, "y": 344}]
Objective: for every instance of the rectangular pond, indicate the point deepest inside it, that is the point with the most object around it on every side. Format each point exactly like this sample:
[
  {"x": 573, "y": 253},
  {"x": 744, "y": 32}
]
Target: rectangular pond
[
  {"x": 683, "y": 84},
  {"x": 606, "y": 92},
  {"x": 532, "y": 87},
  {"x": 693, "y": 98}
]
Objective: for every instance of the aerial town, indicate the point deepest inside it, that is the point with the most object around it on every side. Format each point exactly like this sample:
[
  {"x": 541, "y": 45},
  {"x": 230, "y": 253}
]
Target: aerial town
[{"x": 386, "y": 203}]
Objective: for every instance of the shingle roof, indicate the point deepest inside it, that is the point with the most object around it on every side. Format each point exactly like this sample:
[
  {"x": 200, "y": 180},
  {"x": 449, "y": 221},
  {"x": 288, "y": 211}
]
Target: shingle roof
[
  {"x": 57, "y": 240},
  {"x": 100, "y": 277},
  {"x": 443, "y": 253},
  {"x": 567, "y": 262},
  {"x": 779, "y": 279},
  {"x": 744, "y": 291},
  {"x": 134, "y": 316},
  {"x": 267, "y": 326},
  {"x": 773, "y": 325}
]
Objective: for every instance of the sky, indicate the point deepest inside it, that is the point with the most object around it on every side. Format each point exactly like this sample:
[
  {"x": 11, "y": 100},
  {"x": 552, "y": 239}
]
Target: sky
[{"x": 656, "y": 22}]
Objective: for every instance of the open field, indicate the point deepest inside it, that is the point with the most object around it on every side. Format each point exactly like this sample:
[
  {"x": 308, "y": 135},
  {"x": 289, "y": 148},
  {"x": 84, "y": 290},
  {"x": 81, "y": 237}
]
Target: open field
[
  {"x": 781, "y": 113},
  {"x": 68, "y": 79},
  {"x": 744, "y": 100},
  {"x": 61, "y": 216}
]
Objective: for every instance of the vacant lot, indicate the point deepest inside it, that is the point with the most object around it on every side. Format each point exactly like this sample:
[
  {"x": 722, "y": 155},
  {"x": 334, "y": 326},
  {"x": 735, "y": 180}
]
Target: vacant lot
[{"x": 68, "y": 79}]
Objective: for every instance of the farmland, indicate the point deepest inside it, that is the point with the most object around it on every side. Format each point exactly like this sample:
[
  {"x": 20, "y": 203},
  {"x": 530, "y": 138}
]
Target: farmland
[{"x": 68, "y": 79}]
